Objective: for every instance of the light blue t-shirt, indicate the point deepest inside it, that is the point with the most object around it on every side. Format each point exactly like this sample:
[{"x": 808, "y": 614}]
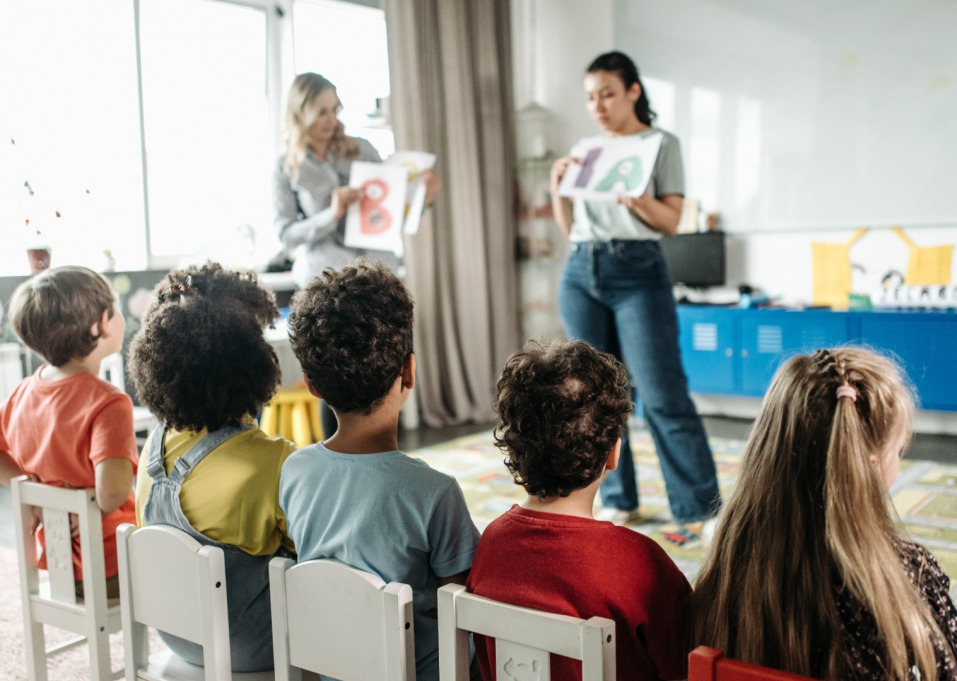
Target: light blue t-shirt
[
  {"x": 595, "y": 220},
  {"x": 386, "y": 513}
]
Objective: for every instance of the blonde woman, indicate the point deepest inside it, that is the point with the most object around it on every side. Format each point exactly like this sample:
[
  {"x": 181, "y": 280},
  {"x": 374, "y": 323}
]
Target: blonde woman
[
  {"x": 808, "y": 572},
  {"x": 310, "y": 181}
]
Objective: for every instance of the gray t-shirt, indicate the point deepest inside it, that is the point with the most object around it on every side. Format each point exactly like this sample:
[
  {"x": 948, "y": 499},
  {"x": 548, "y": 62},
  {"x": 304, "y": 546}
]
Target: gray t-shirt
[{"x": 606, "y": 220}]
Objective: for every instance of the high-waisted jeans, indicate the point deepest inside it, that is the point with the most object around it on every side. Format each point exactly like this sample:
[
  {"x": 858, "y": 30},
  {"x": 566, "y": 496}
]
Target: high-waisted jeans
[{"x": 617, "y": 296}]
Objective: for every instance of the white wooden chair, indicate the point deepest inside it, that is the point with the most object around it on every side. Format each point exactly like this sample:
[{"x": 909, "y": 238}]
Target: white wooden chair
[
  {"x": 524, "y": 638},
  {"x": 55, "y": 602},
  {"x": 171, "y": 582},
  {"x": 338, "y": 621}
]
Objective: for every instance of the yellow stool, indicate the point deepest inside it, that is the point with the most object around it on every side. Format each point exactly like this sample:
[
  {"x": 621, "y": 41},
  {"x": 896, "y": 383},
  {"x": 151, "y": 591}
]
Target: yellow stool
[{"x": 293, "y": 413}]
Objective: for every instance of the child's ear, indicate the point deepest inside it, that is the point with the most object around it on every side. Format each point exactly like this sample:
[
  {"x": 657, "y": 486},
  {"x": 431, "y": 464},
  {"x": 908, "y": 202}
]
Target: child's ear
[
  {"x": 312, "y": 390},
  {"x": 612, "y": 462},
  {"x": 408, "y": 372},
  {"x": 101, "y": 329}
]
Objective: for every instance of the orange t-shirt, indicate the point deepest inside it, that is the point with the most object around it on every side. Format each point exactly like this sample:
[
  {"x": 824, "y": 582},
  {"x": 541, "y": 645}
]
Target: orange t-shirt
[{"x": 59, "y": 430}]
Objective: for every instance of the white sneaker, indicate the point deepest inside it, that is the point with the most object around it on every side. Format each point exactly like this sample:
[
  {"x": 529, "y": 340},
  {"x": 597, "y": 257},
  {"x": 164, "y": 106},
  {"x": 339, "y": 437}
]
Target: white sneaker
[{"x": 619, "y": 516}]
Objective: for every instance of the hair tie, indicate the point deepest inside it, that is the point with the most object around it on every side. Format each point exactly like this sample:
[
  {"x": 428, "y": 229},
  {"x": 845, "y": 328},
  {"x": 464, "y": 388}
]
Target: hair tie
[
  {"x": 186, "y": 288},
  {"x": 847, "y": 391}
]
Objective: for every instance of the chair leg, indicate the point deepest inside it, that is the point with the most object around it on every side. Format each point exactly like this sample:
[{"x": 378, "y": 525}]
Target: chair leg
[
  {"x": 35, "y": 649},
  {"x": 100, "y": 665}
]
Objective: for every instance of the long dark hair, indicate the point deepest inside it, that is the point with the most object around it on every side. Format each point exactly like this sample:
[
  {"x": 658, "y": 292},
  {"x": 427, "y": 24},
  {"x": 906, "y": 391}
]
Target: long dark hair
[{"x": 621, "y": 64}]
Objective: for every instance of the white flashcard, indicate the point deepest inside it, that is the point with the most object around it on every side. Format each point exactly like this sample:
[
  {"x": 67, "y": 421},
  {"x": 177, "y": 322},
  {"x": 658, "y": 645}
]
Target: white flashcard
[
  {"x": 415, "y": 162},
  {"x": 375, "y": 221},
  {"x": 610, "y": 166}
]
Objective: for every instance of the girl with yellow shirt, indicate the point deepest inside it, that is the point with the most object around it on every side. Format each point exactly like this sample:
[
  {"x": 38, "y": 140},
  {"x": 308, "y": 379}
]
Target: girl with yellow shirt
[{"x": 202, "y": 366}]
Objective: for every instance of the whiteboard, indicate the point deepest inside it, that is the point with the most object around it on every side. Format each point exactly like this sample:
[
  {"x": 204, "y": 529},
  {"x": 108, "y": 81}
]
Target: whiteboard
[{"x": 818, "y": 114}]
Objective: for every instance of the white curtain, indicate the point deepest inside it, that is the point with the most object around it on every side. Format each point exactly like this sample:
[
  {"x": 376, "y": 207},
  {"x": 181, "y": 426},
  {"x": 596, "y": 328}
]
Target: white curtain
[{"x": 451, "y": 74}]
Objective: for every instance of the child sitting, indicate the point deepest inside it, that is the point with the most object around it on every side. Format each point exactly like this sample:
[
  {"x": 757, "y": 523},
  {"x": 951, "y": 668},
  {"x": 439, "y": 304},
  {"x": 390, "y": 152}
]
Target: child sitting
[
  {"x": 808, "y": 571},
  {"x": 561, "y": 410},
  {"x": 63, "y": 425},
  {"x": 201, "y": 364},
  {"x": 356, "y": 497}
]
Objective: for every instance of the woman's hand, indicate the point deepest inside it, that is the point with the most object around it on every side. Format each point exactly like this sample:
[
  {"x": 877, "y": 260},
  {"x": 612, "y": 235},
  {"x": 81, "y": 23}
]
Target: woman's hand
[
  {"x": 342, "y": 198},
  {"x": 562, "y": 205},
  {"x": 433, "y": 185},
  {"x": 558, "y": 171},
  {"x": 661, "y": 214}
]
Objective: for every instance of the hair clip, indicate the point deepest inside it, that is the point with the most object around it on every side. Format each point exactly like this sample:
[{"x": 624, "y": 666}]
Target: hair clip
[
  {"x": 847, "y": 391},
  {"x": 186, "y": 288}
]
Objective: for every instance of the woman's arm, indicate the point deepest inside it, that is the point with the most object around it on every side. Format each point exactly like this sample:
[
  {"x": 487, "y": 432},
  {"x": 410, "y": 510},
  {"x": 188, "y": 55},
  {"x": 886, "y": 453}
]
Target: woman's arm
[
  {"x": 294, "y": 230},
  {"x": 661, "y": 214},
  {"x": 562, "y": 205}
]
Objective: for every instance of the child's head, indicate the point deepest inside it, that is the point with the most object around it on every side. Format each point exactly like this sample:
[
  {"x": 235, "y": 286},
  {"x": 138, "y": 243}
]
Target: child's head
[
  {"x": 351, "y": 329},
  {"x": 57, "y": 312},
  {"x": 561, "y": 409},
  {"x": 848, "y": 411},
  {"x": 810, "y": 506},
  {"x": 200, "y": 359}
]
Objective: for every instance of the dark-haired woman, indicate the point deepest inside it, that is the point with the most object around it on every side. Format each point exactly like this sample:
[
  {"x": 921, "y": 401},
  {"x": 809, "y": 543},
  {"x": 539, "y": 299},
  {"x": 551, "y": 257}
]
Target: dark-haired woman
[{"x": 616, "y": 294}]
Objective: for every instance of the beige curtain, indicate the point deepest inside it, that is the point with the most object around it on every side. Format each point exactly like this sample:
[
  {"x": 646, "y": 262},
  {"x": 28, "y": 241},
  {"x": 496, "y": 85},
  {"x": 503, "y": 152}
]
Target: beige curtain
[{"x": 450, "y": 66}]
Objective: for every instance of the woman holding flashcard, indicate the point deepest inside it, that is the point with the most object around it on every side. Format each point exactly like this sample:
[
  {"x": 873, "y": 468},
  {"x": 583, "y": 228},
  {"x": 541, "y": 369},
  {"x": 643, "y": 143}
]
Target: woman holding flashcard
[
  {"x": 614, "y": 198},
  {"x": 311, "y": 191}
]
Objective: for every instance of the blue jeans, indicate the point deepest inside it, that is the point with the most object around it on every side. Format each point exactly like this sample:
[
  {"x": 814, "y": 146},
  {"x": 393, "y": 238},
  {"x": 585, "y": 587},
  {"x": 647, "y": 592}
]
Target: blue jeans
[{"x": 617, "y": 296}]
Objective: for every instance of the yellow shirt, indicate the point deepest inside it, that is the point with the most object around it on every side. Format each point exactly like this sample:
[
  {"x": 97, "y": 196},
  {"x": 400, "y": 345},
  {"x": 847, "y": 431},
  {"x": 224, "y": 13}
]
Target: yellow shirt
[{"x": 232, "y": 496}]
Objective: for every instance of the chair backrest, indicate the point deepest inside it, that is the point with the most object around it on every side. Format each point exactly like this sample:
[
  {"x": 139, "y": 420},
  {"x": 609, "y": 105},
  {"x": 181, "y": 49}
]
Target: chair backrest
[
  {"x": 171, "y": 582},
  {"x": 57, "y": 503},
  {"x": 708, "y": 664},
  {"x": 524, "y": 638},
  {"x": 55, "y": 602},
  {"x": 338, "y": 621},
  {"x": 111, "y": 370}
]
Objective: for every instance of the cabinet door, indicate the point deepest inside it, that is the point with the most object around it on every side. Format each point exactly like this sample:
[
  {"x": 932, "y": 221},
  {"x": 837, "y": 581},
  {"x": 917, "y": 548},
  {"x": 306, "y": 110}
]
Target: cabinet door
[
  {"x": 926, "y": 345},
  {"x": 708, "y": 336},
  {"x": 769, "y": 337}
]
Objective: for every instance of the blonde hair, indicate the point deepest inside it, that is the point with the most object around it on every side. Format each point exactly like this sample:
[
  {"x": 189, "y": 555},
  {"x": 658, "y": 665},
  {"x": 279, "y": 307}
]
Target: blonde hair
[
  {"x": 301, "y": 112},
  {"x": 808, "y": 512}
]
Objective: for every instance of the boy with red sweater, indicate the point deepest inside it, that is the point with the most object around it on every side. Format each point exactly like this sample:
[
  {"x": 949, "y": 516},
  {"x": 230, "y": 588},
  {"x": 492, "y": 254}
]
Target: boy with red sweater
[{"x": 561, "y": 412}]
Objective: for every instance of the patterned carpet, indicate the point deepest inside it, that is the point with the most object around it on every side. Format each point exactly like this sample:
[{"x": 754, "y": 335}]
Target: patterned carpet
[{"x": 925, "y": 493}]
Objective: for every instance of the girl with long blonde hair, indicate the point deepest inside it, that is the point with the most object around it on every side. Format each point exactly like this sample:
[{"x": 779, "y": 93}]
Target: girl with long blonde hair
[{"x": 808, "y": 571}]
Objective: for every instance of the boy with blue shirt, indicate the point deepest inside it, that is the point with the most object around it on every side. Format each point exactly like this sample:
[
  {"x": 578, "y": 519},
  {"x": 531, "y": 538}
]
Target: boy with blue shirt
[{"x": 355, "y": 497}]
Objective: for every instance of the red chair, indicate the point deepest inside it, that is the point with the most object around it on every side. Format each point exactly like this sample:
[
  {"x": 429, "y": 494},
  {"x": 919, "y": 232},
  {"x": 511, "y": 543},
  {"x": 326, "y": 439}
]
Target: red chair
[{"x": 708, "y": 664}]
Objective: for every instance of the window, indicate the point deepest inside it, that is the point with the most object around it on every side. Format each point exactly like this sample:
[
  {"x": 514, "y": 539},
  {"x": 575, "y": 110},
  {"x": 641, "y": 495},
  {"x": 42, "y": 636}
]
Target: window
[
  {"x": 200, "y": 116},
  {"x": 346, "y": 43},
  {"x": 68, "y": 87},
  {"x": 206, "y": 128}
]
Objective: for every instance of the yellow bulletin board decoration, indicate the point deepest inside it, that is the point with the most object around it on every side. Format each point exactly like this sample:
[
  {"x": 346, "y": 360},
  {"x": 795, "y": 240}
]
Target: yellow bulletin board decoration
[
  {"x": 832, "y": 271},
  {"x": 927, "y": 265}
]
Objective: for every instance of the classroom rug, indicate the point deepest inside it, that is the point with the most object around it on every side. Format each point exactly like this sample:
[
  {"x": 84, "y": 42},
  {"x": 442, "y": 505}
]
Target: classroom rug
[{"x": 925, "y": 493}]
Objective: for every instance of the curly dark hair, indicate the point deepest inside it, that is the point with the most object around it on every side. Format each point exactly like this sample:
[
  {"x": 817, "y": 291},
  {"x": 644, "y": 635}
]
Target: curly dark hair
[
  {"x": 561, "y": 408},
  {"x": 351, "y": 329},
  {"x": 53, "y": 312},
  {"x": 200, "y": 360}
]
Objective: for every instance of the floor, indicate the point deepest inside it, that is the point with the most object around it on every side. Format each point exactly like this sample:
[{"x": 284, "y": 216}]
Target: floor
[{"x": 939, "y": 448}]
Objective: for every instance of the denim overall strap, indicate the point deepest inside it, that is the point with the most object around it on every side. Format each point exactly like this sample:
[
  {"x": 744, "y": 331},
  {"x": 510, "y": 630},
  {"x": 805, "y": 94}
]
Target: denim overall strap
[{"x": 162, "y": 505}]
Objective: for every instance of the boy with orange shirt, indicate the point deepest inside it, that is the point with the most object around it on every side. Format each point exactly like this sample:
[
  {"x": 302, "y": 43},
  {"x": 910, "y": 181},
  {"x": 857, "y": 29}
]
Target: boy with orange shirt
[{"x": 63, "y": 425}]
